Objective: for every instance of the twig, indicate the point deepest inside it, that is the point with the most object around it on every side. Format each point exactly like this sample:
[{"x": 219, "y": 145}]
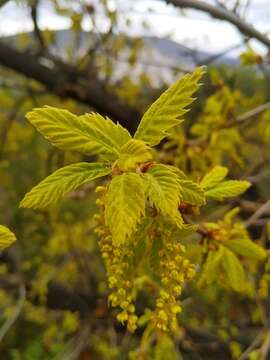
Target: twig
[
  {"x": 265, "y": 347},
  {"x": 9, "y": 121},
  {"x": 37, "y": 32},
  {"x": 212, "y": 58},
  {"x": 10, "y": 321},
  {"x": 221, "y": 13},
  {"x": 256, "y": 111},
  {"x": 239, "y": 119},
  {"x": 259, "y": 177},
  {"x": 252, "y": 346},
  {"x": 77, "y": 344},
  {"x": 262, "y": 210}
]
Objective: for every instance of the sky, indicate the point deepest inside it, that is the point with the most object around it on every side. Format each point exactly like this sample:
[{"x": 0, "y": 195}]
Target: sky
[{"x": 195, "y": 29}]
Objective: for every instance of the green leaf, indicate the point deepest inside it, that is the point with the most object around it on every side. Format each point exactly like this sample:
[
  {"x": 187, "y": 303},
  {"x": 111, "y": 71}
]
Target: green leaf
[
  {"x": 53, "y": 188},
  {"x": 168, "y": 109},
  {"x": 187, "y": 231},
  {"x": 247, "y": 248},
  {"x": 223, "y": 266},
  {"x": 6, "y": 237},
  {"x": 191, "y": 193},
  {"x": 230, "y": 215},
  {"x": 165, "y": 349},
  {"x": 179, "y": 173},
  {"x": 233, "y": 270},
  {"x": 124, "y": 205},
  {"x": 215, "y": 176},
  {"x": 211, "y": 270},
  {"x": 134, "y": 152},
  {"x": 229, "y": 188},
  {"x": 163, "y": 190},
  {"x": 89, "y": 134}
]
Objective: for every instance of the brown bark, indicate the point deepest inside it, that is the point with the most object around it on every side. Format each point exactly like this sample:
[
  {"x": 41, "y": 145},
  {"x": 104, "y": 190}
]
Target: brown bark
[{"x": 67, "y": 82}]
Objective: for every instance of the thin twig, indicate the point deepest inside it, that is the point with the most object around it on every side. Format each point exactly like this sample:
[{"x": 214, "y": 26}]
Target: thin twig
[
  {"x": 256, "y": 111},
  {"x": 221, "y": 13},
  {"x": 262, "y": 210},
  {"x": 75, "y": 346},
  {"x": 37, "y": 31},
  {"x": 252, "y": 346},
  {"x": 9, "y": 121},
  {"x": 10, "y": 321},
  {"x": 259, "y": 177},
  {"x": 264, "y": 350}
]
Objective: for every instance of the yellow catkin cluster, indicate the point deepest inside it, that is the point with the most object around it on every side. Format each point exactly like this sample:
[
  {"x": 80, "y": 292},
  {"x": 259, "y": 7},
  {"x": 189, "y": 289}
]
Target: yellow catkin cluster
[
  {"x": 118, "y": 269},
  {"x": 174, "y": 271}
]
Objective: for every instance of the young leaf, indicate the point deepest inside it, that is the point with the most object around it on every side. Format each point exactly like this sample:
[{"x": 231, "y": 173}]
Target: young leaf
[
  {"x": 247, "y": 248},
  {"x": 133, "y": 153},
  {"x": 163, "y": 190},
  {"x": 191, "y": 192},
  {"x": 233, "y": 270},
  {"x": 230, "y": 215},
  {"x": 168, "y": 109},
  {"x": 215, "y": 176},
  {"x": 211, "y": 270},
  {"x": 124, "y": 205},
  {"x": 179, "y": 173},
  {"x": 88, "y": 134},
  {"x": 165, "y": 349},
  {"x": 57, "y": 185},
  {"x": 6, "y": 237},
  {"x": 227, "y": 189}
]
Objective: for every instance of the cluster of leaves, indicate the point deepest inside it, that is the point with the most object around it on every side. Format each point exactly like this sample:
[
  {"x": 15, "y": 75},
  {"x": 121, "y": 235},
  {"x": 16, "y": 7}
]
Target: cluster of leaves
[
  {"x": 218, "y": 135},
  {"x": 226, "y": 242},
  {"x": 58, "y": 244},
  {"x": 140, "y": 189},
  {"x": 250, "y": 57}
]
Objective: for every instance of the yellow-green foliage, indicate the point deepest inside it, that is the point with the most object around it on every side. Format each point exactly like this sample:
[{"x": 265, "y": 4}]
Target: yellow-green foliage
[
  {"x": 143, "y": 204},
  {"x": 6, "y": 237},
  {"x": 61, "y": 182},
  {"x": 167, "y": 111},
  {"x": 185, "y": 265},
  {"x": 88, "y": 134},
  {"x": 227, "y": 242},
  {"x": 125, "y": 205}
]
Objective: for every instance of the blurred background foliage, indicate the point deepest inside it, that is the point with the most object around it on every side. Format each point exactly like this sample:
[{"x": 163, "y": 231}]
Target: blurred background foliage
[{"x": 53, "y": 292}]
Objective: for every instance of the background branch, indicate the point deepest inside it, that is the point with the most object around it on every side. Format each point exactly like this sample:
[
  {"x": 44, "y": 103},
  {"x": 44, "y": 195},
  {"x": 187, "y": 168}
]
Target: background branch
[
  {"x": 37, "y": 32},
  {"x": 66, "y": 81},
  {"x": 3, "y": 2},
  {"x": 11, "y": 320},
  {"x": 222, "y": 13}
]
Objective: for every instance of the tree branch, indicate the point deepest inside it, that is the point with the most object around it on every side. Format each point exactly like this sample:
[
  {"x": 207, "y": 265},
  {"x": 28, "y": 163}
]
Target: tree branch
[
  {"x": 223, "y": 14},
  {"x": 11, "y": 320},
  {"x": 3, "y": 2},
  {"x": 261, "y": 211},
  {"x": 66, "y": 81},
  {"x": 59, "y": 297}
]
